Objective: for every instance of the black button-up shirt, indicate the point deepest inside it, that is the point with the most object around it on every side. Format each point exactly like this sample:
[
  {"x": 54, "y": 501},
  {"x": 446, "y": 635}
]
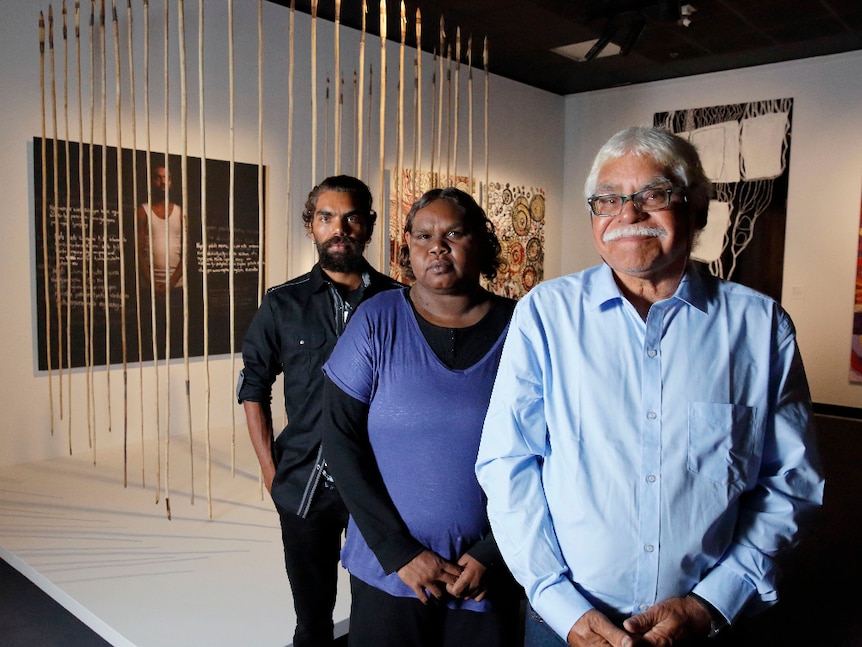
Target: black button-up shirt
[{"x": 294, "y": 332}]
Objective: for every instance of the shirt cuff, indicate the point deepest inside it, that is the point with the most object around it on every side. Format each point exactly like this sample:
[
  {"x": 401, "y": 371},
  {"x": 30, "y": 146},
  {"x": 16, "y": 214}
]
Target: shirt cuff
[{"x": 726, "y": 591}]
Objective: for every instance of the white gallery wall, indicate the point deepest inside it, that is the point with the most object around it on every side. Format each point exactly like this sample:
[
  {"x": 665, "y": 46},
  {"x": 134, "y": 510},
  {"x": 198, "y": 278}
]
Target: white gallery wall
[
  {"x": 536, "y": 140},
  {"x": 823, "y": 202},
  {"x": 526, "y": 131}
]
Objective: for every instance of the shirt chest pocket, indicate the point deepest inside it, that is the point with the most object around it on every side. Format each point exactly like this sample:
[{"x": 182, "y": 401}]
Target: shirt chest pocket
[
  {"x": 306, "y": 350},
  {"x": 721, "y": 441},
  {"x": 307, "y": 340}
]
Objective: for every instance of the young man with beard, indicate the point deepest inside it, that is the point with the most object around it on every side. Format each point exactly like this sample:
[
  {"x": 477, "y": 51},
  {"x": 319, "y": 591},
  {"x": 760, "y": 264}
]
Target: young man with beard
[{"x": 294, "y": 332}]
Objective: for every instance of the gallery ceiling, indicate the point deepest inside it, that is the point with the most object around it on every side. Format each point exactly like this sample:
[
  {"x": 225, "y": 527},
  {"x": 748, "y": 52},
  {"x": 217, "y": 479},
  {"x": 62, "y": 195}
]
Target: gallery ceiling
[{"x": 654, "y": 40}]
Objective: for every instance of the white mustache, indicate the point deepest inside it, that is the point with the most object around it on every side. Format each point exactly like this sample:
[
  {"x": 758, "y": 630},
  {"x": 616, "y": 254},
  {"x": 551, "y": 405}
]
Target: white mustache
[{"x": 632, "y": 230}]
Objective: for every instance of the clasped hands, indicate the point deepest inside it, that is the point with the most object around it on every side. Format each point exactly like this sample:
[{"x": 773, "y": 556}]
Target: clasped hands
[
  {"x": 662, "y": 625},
  {"x": 429, "y": 573}
]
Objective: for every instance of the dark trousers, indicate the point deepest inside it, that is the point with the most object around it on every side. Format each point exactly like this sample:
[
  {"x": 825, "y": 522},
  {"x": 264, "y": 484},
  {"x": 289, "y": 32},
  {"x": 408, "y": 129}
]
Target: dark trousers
[
  {"x": 378, "y": 619},
  {"x": 311, "y": 552}
]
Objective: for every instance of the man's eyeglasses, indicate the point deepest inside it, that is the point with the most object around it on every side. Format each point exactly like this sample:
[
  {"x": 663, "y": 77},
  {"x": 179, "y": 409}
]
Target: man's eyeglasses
[{"x": 649, "y": 199}]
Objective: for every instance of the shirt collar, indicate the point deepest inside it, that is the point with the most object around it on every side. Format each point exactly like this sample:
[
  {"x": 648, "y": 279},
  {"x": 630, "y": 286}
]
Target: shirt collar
[
  {"x": 604, "y": 289},
  {"x": 320, "y": 281}
]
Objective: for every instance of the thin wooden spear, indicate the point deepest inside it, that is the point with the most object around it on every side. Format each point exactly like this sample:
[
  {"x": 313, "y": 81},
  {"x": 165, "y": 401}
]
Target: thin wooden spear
[
  {"x": 470, "y": 111},
  {"x": 382, "y": 113},
  {"x": 361, "y": 94},
  {"x": 288, "y": 179},
  {"x": 231, "y": 195},
  {"x": 91, "y": 402},
  {"x": 433, "y": 115},
  {"x": 449, "y": 116},
  {"x": 368, "y": 122},
  {"x": 440, "y": 102},
  {"x": 122, "y": 238},
  {"x": 58, "y": 300},
  {"x": 260, "y": 197},
  {"x": 356, "y": 122},
  {"x": 68, "y": 259},
  {"x": 485, "y": 65},
  {"x": 84, "y": 235},
  {"x": 153, "y": 331},
  {"x": 105, "y": 249},
  {"x": 339, "y": 107},
  {"x": 205, "y": 254},
  {"x": 457, "y": 113},
  {"x": 326, "y": 128},
  {"x": 336, "y": 132},
  {"x": 313, "y": 91},
  {"x": 135, "y": 234},
  {"x": 184, "y": 171},
  {"x": 399, "y": 144},
  {"x": 417, "y": 144},
  {"x": 45, "y": 268},
  {"x": 167, "y": 300}
]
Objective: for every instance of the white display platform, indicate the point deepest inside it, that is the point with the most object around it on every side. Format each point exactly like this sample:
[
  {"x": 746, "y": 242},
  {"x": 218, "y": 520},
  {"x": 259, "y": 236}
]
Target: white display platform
[{"x": 110, "y": 555}]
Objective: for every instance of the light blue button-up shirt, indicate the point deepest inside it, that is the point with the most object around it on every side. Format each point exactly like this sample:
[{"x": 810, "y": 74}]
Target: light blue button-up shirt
[{"x": 627, "y": 461}]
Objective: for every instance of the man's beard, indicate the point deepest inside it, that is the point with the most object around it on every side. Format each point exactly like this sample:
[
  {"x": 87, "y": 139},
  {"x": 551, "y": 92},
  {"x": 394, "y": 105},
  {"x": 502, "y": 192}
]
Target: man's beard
[{"x": 349, "y": 260}]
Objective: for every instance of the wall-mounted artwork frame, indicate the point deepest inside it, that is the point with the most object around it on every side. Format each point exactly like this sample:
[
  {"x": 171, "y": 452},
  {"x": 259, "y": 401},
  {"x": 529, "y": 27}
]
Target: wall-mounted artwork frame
[
  {"x": 82, "y": 203},
  {"x": 745, "y": 151}
]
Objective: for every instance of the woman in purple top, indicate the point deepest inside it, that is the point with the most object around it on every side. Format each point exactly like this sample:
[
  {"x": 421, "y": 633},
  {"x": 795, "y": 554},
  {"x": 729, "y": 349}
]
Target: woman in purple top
[{"x": 407, "y": 389}]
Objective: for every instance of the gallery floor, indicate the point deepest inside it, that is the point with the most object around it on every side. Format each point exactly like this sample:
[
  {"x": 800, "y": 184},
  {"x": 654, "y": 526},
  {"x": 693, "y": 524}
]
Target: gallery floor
[{"x": 109, "y": 554}]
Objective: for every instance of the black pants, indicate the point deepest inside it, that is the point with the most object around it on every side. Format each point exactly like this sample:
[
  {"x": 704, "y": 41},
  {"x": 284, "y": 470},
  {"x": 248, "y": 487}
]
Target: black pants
[
  {"x": 311, "y": 552},
  {"x": 378, "y": 619}
]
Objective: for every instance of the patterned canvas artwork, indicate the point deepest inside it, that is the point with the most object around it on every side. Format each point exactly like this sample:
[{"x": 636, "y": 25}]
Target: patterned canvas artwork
[{"x": 518, "y": 214}]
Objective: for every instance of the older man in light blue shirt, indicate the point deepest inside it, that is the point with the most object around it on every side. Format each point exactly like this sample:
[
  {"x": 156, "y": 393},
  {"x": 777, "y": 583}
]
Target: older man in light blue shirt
[{"x": 649, "y": 446}]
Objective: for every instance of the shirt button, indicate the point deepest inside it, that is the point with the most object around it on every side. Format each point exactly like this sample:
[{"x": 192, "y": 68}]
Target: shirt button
[
  {"x": 651, "y": 415},
  {"x": 650, "y": 478},
  {"x": 302, "y": 342},
  {"x": 649, "y": 548},
  {"x": 651, "y": 353},
  {"x": 643, "y": 607}
]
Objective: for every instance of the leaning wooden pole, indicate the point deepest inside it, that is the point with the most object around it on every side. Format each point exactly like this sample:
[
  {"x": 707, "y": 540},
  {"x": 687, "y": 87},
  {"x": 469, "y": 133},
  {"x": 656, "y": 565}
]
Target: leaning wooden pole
[
  {"x": 118, "y": 88},
  {"x": 399, "y": 141},
  {"x": 231, "y": 206},
  {"x": 136, "y": 236},
  {"x": 260, "y": 167},
  {"x": 58, "y": 267},
  {"x": 205, "y": 256},
  {"x": 83, "y": 223},
  {"x": 288, "y": 180},
  {"x": 68, "y": 223},
  {"x": 46, "y": 270},
  {"x": 382, "y": 113},
  {"x": 106, "y": 282},
  {"x": 433, "y": 116},
  {"x": 313, "y": 91},
  {"x": 360, "y": 106},
  {"x": 417, "y": 94},
  {"x": 485, "y": 65},
  {"x": 91, "y": 339},
  {"x": 442, "y": 56},
  {"x": 184, "y": 172},
  {"x": 470, "y": 113},
  {"x": 336, "y": 132},
  {"x": 167, "y": 298},
  {"x": 449, "y": 116},
  {"x": 153, "y": 332},
  {"x": 457, "y": 112}
]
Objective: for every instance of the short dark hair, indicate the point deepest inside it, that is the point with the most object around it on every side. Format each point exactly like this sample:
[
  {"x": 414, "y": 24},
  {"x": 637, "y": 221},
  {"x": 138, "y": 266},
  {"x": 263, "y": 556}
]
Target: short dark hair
[
  {"x": 476, "y": 222},
  {"x": 342, "y": 184}
]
